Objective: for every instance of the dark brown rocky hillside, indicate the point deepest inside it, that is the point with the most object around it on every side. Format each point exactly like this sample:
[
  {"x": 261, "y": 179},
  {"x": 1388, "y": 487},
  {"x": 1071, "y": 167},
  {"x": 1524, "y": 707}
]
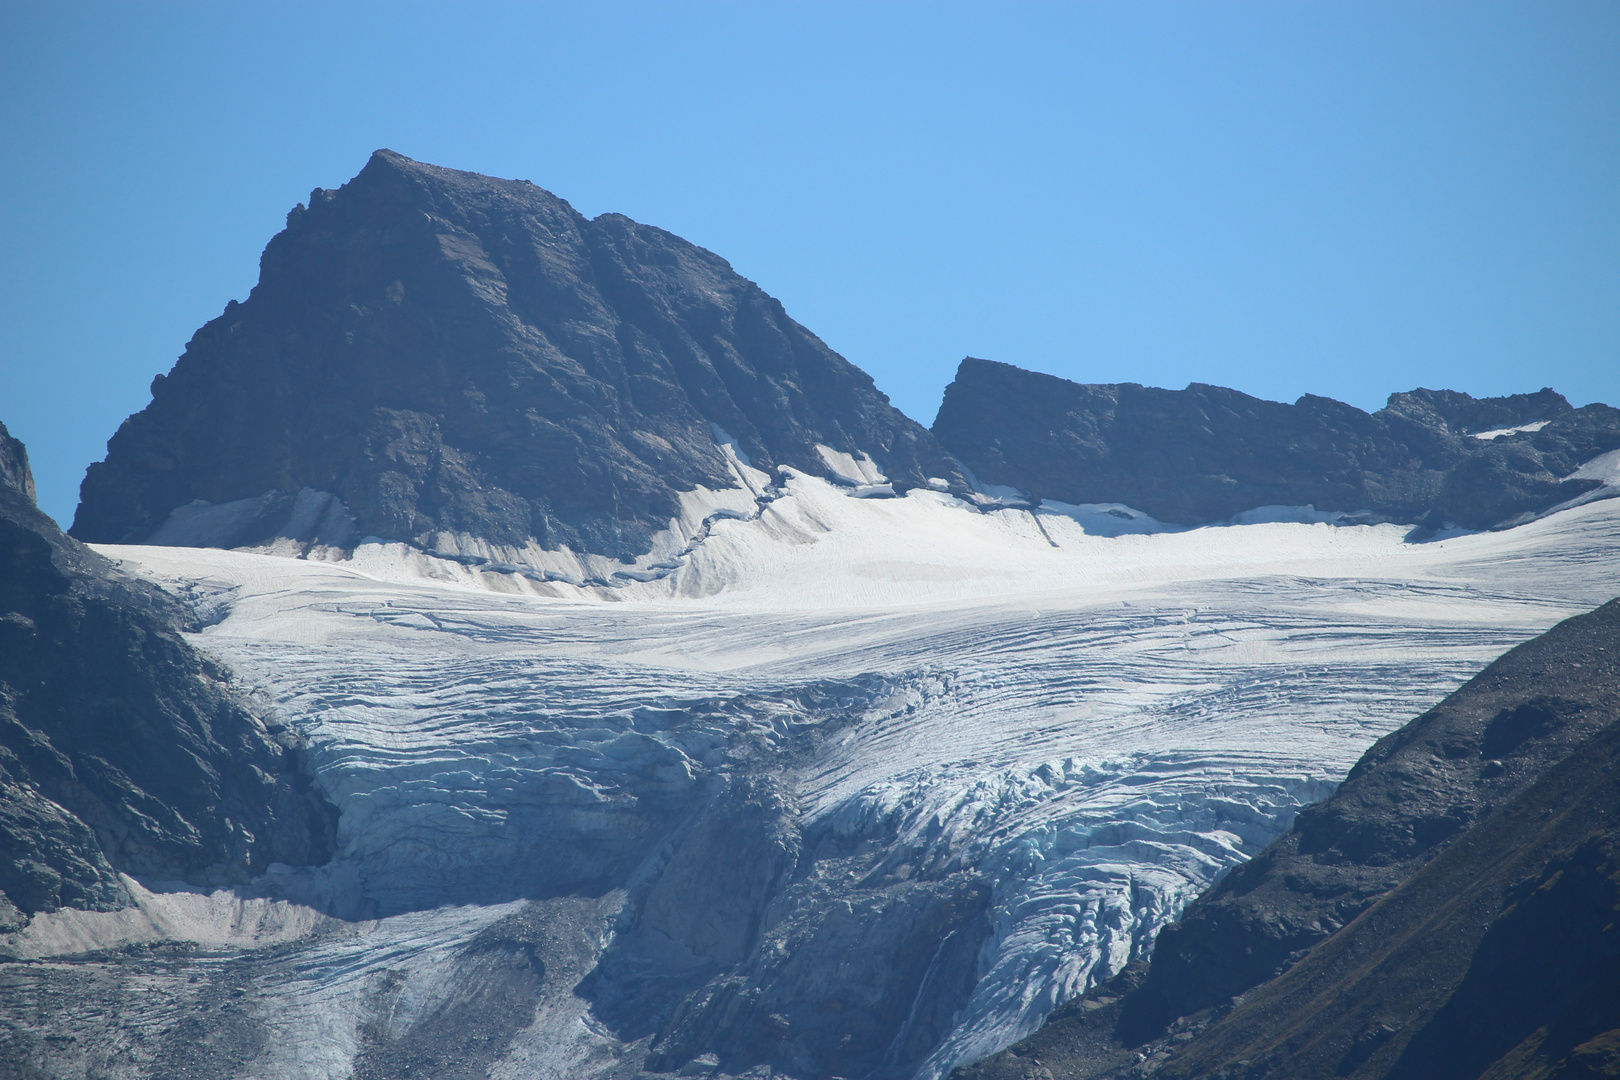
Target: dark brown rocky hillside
[
  {"x": 121, "y": 748},
  {"x": 1452, "y": 911}
]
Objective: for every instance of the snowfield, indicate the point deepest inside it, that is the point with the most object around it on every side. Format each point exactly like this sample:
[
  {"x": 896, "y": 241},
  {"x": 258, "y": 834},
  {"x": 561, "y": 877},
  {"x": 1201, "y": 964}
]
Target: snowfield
[{"x": 1090, "y": 715}]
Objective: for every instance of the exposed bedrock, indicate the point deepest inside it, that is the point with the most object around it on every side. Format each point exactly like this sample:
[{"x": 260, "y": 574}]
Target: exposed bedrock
[
  {"x": 430, "y": 351},
  {"x": 1449, "y": 911},
  {"x": 1500, "y": 957},
  {"x": 121, "y": 748},
  {"x": 1412, "y": 794},
  {"x": 755, "y": 946},
  {"x": 1207, "y": 453}
]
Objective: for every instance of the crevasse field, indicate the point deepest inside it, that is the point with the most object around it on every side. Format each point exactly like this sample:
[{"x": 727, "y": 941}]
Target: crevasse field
[{"x": 1085, "y": 714}]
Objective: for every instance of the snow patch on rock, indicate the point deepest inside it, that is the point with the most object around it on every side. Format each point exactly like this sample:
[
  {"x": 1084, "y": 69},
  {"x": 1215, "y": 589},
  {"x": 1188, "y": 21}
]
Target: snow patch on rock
[{"x": 1497, "y": 433}]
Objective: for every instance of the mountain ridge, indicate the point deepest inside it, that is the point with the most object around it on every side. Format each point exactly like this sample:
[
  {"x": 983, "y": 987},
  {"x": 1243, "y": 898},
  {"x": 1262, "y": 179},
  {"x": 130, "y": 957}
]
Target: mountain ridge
[
  {"x": 470, "y": 367},
  {"x": 1206, "y": 454}
]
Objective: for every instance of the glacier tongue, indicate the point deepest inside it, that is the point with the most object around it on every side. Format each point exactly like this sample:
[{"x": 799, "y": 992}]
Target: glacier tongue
[{"x": 938, "y": 769}]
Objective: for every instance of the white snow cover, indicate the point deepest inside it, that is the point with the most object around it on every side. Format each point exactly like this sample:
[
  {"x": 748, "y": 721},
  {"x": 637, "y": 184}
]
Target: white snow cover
[
  {"x": 855, "y": 470},
  {"x": 1097, "y": 712},
  {"x": 1605, "y": 469},
  {"x": 1497, "y": 433}
]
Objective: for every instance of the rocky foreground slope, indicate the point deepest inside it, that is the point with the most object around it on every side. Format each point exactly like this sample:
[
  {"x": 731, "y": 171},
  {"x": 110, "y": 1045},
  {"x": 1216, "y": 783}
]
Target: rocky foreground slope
[
  {"x": 1206, "y": 454},
  {"x": 121, "y": 748},
  {"x": 1452, "y": 911},
  {"x": 470, "y": 366}
]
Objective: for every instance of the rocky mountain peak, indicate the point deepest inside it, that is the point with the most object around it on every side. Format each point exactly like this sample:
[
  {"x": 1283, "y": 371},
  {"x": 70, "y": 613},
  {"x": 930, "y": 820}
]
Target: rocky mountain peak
[
  {"x": 15, "y": 474},
  {"x": 1463, "y": 414},
  {"x": 432, "y": 354}
]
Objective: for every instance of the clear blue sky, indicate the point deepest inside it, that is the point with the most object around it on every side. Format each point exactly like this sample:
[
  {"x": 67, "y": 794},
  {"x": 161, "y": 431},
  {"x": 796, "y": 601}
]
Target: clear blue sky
[{"x": 1336, "y": 198}]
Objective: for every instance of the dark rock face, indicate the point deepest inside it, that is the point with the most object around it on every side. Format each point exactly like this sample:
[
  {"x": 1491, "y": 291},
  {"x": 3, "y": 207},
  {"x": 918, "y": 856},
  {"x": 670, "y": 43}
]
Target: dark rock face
[
  {"x": 741, "y": 953},
  {"x": 120, "y": 747},
  {"x": 501, "y": 974},
  {"x": 1501, "y": 957},
  {"x": 1450, "y": 910},
  {"x": 1205, "y": 454},
  {"x": 443, "y": 351},
  {"x": 1412, "y": 794}
]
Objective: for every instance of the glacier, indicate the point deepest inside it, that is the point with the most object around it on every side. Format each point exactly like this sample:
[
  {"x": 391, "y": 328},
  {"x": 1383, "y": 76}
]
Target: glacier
[{"x": 966, "y": 760}]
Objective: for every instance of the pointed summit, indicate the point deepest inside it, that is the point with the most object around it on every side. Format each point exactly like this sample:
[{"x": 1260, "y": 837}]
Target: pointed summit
[
  {"x": 15, "y": 474},
  {"x": 466, "y": 364}
]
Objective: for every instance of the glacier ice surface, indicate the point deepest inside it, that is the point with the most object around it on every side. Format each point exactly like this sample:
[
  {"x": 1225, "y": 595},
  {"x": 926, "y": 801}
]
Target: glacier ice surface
[{"x": 1095, "y": 719}]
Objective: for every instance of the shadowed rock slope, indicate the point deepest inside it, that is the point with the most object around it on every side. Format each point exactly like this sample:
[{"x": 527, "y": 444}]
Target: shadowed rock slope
[
  {"x": 122, "y": 749},
  {"x": 448, "y": 353},
  {"x": 1451, "y": 911},
  {"x": 1206, "y": 453},
  {"x": 1500, "y": 958}
]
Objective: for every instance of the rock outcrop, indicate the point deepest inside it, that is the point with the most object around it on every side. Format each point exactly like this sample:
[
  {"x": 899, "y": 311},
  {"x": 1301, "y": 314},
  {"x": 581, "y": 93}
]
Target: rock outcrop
[
  {"x": 1414, "y": 792},
  {"x": 745, "y": 953},
  {"x": 1449, "y": 909},
  {"x": 122, "y": 749},
  {"x": 1501, "y": 957},
  {"x": 1205, "y": 454},
  {"x": 432, "y": 355}
]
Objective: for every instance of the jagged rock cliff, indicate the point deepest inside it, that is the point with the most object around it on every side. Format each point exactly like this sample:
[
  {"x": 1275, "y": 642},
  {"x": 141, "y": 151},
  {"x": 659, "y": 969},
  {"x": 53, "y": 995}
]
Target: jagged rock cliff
[
  {"x": 1206, "y": 453},
  {"x": 122, "y": 749},
  {"x": 432, "y": 354},
  {"x": 1450, "y": 909}
]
